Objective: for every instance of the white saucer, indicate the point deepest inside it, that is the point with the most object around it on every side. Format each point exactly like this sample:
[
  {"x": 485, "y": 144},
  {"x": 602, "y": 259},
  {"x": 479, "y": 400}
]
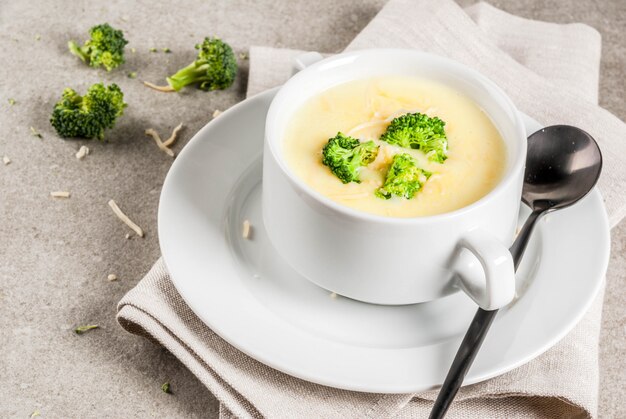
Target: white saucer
[{"x": 247, "y": 293}]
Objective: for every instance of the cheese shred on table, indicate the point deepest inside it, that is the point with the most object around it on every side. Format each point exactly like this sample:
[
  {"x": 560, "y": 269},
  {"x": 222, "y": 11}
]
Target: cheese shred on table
[
  {"x": 60, "y": 194},
  {"x": 157, "y": 139},
  {"x": 82, "y": 152},
  {"x": 172, "y": 138},
  {"x": 164, "y": 145},
  {"x": 125, "y": 218}
]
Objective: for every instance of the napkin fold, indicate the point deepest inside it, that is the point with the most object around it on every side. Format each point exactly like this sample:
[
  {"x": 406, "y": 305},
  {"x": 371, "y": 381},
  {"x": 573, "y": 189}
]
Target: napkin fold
[{"x": 551, "y": 73}]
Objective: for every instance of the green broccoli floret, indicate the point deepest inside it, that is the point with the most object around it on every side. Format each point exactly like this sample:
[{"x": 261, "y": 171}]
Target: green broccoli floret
[
  {"x": 104, "y": 48},
  {"x": 88, "y": 116},
  {"x": 403, "y": 179},
  {"x": 416, "y": 130},
  {"x": 344, "y": 156},
  {"x": 215, "y": 67}
]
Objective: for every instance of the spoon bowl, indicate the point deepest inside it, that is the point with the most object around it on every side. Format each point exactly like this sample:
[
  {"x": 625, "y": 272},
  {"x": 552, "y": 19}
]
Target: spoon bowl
[{"x": 562, "y": 166}]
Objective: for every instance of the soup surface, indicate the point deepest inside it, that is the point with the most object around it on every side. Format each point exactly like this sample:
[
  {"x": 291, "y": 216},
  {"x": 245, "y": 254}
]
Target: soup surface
[{"x": 363, "y": 109}]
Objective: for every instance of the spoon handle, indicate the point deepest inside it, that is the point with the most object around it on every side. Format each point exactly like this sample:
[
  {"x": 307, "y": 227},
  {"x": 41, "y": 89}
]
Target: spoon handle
[
  {"x": 518, "y": 247},
  {"x": 477, "y": 331}
]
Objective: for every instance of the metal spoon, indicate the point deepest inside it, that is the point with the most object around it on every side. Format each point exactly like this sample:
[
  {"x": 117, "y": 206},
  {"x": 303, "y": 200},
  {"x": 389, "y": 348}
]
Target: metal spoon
[{"x": 563, "y": 164}]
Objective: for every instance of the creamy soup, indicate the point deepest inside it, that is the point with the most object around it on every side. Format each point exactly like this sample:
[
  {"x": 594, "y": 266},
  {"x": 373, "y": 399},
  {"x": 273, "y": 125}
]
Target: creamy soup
[{"x": 363, "y": 109}]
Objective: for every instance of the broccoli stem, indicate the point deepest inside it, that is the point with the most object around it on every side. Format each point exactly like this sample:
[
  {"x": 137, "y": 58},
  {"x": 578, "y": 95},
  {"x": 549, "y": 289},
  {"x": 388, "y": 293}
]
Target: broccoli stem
[
  {"x": 188, "y": 75},
  {"x": 77, "y": 51}
]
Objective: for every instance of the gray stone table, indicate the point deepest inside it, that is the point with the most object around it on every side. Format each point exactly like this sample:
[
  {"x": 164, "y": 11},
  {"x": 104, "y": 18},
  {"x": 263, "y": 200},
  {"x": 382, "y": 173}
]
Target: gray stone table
[{"x": 55, "y": 254}]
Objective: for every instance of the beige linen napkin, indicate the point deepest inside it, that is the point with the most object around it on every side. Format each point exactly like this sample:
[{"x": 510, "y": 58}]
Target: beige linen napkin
[{"x": 551, "y": 72}]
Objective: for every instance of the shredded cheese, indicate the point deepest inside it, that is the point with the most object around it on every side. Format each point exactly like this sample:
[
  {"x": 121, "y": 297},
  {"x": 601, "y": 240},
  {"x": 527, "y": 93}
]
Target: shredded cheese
[
  {"x": 82, "y": 152},
  {"x": 112, "y": 277},
  {"x": 125, "y": 218},
  {"x": 164, "y": 145},
  {"x": 6, "y": 160},
  {"x": 60, "y": 194},
  {"x": 400, "y": 112},
  {"x": 430, "y": 111},
  {"x": 172, "y": 138},
  {"x": 365, "y": 125},
  {"x": 127, "y": 236},
  {"x": 377, "y": 121},
  {"x": 157, "y": 139},
  {"x": 159, "y": 88},
  {"x": 216, "y": 113},
  {"x": 247, "y": 229}
]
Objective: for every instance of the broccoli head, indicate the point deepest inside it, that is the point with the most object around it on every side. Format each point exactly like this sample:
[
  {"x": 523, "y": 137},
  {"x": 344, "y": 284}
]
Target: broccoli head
[
  {"x": 418, "y": 131},
  {"x": 215, "y": 67},
  {"x": 89, "y": 115},
  {"x": 104, "y": 48},
  {"x": 344, "y": 156},
  {"x": 403, "y": 179}
]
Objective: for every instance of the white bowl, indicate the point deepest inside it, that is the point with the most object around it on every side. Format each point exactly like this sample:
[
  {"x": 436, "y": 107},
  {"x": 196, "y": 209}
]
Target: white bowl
[{"x": 387, "y": 260}]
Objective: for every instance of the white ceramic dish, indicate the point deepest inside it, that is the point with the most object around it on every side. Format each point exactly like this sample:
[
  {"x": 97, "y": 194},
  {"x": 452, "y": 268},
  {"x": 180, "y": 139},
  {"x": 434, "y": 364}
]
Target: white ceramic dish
[
  {"x": 307, "y": 227},
  {"x": 247, "y": 294}
]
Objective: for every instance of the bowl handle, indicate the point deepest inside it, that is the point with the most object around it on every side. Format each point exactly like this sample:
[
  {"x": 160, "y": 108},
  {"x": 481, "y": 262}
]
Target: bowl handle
[
  {"x": 485, "y": 271},
  {"x": 302, "y": 61}
]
